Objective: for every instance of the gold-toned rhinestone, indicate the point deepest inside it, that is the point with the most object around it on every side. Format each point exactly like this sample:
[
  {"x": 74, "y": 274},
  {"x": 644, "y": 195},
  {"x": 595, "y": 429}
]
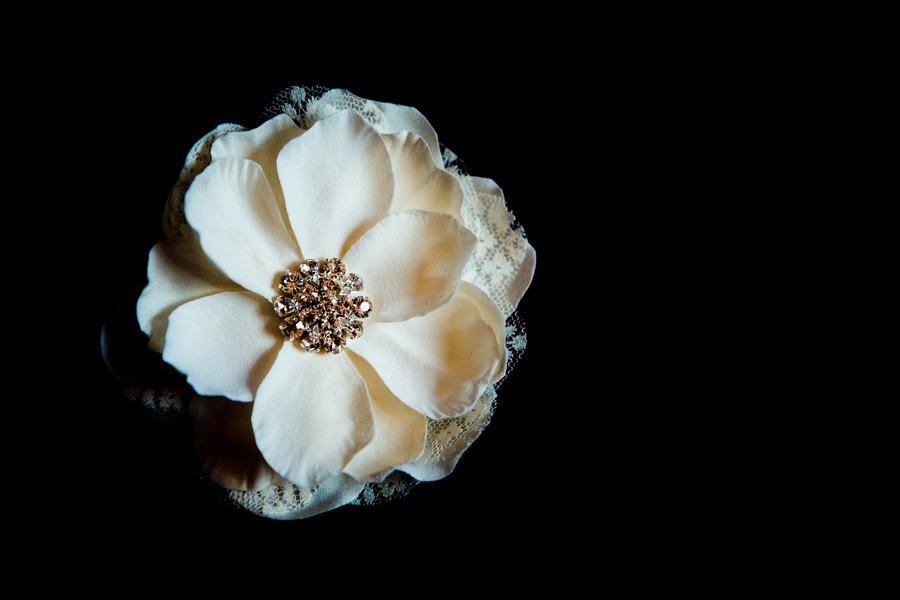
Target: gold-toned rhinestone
[
  {"x": 354, "y": 282},
  {"x": 310, "y": 345},
  {"x": 291, "y": 327},
  {"x": 335, "y": 268},
  {"x": 310, "y": 267},
  {"x": 284, "y": 305},
  {"x": 363, "y": 307},
  {"x": 290, "y": 282},
  {"x": 333, "y": 342},
  {"x": 354, "y": 329},
  {"x": 309, "y": 294}
]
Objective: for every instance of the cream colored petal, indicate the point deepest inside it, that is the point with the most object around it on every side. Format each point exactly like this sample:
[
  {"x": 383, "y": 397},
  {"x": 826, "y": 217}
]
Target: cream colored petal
[
  {"x": 438, "y": 364},
  {"x": 337, "y": 183},
  {"x": 311, "y": 415},
  {"x": 177, "y": 272},
  {"x": 410, "y": 263},
  {"x": 261, "y": 145},
  {"x": 418, "y": 182},
  {"x": 391, "y": 118},
  {"x": 224, "y": 343},
  {"x": 493, "y": 317},
  {"x": 399, "y": 430},
  {"x": 224, "y": 445},
  {"x": 231, "y": 208}
]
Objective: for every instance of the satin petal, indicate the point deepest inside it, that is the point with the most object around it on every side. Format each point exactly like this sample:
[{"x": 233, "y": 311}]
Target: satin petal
[
  {"x": 337, "y": 183},
  {"x": 261, "y": 145},
  {"x": 492, "y": 316},
  {"x": 224, "y": 445},
  {"x": 418, "y": 182},
  {"x": 391, "y": 118},
  {"x": 178, "y": 272},
  {"x": 399, "y": 430},
  {"x": 311, "y": 415},
  {"x": 225, "y": 343},
  {"x": 231, "y": 207},
  {"x": 410, "y": 263},
  {"x": 438, "y": 364}
]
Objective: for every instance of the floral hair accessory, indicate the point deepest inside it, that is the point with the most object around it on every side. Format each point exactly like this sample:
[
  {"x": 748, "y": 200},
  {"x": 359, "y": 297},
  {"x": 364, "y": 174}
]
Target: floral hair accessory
[{"x": 339, "y": 296}]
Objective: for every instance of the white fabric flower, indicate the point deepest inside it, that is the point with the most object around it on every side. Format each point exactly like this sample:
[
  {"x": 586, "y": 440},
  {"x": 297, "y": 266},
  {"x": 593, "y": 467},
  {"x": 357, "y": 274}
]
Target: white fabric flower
[{"x": 380, "y": 201}]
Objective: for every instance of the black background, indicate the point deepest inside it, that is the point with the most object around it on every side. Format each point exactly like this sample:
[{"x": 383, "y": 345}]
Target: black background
[{"x": 509, "y": 488}]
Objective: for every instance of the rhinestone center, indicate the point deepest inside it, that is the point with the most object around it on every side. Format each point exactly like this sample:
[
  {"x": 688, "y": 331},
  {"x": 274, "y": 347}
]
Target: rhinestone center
[{"x": 317, "y": 308}]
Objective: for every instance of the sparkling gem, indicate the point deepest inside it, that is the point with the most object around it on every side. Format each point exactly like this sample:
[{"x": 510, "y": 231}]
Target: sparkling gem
[
  {"x": 354, "y": 282},
  {"x": 284, "y": 305},
  {"x": 310, "y": 267},
  {"x": 335, "y": 267},
  {"x": 354, "y": 329},
  {"x": 309, "y": 315},
  {"x": 328, "y": 289},
  {"x": 291, "y": 327},
  {"x": 363, "y": 307},
  {"x": 290, "y": 282},
  {"x": 310, "y": 345},
  {"x": 309, "y": 294},
  {"x": 333, "y": 343}
]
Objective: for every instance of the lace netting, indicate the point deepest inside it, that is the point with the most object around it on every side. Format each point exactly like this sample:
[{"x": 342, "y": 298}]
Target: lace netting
[{"x": 501, "y": 250}]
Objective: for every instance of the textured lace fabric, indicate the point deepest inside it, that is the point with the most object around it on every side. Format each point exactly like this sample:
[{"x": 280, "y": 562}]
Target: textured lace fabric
[{"x": 494, "y": 267}]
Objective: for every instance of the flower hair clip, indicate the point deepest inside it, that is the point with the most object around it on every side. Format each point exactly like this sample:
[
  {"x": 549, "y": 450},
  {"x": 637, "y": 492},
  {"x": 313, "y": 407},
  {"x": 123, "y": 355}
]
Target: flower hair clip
[{"x": 340, "y": 298}]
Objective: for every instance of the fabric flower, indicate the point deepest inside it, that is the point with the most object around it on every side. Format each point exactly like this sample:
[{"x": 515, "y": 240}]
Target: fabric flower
[{"x": 381, "y": 202}]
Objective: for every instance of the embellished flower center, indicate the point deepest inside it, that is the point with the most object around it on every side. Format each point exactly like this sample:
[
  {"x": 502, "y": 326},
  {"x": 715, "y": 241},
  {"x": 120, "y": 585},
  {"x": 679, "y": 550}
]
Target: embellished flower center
[{"x": 317, "y": 308}]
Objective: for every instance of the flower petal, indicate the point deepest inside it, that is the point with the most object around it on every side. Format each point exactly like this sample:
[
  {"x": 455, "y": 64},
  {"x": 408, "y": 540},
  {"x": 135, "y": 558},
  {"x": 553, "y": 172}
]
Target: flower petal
[
  {"x": 438, "y": 364},
  {"x": 224, "y": 445},
  {"x": 418, "y": 182},
  {"x": 492, "y": 316},
  {"x": 261, "y": 145},
  {"x": 225, "y": 343},
  {"x": 231, "y": 207},
  {"x": 337, "y": 183},
  {"x": 178, "y": 272},
  {"x": 391, "y": 118},
  {"x": 311, "y": 415},
  {"x": 399, "y": 430},
  {"x": 410, "y": 263}
]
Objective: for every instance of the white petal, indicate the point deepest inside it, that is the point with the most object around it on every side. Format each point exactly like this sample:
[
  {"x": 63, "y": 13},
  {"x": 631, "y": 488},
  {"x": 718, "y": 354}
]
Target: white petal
[
  {"x": 337, "y": 183},
  {"x": 224, "y": 446},
  {"x": 177, "y": 272},
  {"x": 492, "y": 316},
  {"x": 438, "y": 364},
  {"x": 392, "y": 118},
  {"x": 225, "y": 343},
  {"x": 410, "y": 263},
  {"x": 418, "y": 182},
  {"x": 261, "y": 145},
  {"x": 231, "y": 207},
  {"x": 399, "y": 430},
  {"x": 311, "y": 415}
]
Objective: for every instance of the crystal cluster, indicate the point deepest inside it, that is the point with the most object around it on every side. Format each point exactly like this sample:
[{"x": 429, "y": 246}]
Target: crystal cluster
[{"x": 317, "y": 308}]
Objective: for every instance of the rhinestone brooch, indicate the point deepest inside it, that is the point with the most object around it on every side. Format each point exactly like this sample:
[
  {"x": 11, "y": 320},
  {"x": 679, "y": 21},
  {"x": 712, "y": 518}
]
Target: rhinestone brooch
[{"x": 317, "y": 309}]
